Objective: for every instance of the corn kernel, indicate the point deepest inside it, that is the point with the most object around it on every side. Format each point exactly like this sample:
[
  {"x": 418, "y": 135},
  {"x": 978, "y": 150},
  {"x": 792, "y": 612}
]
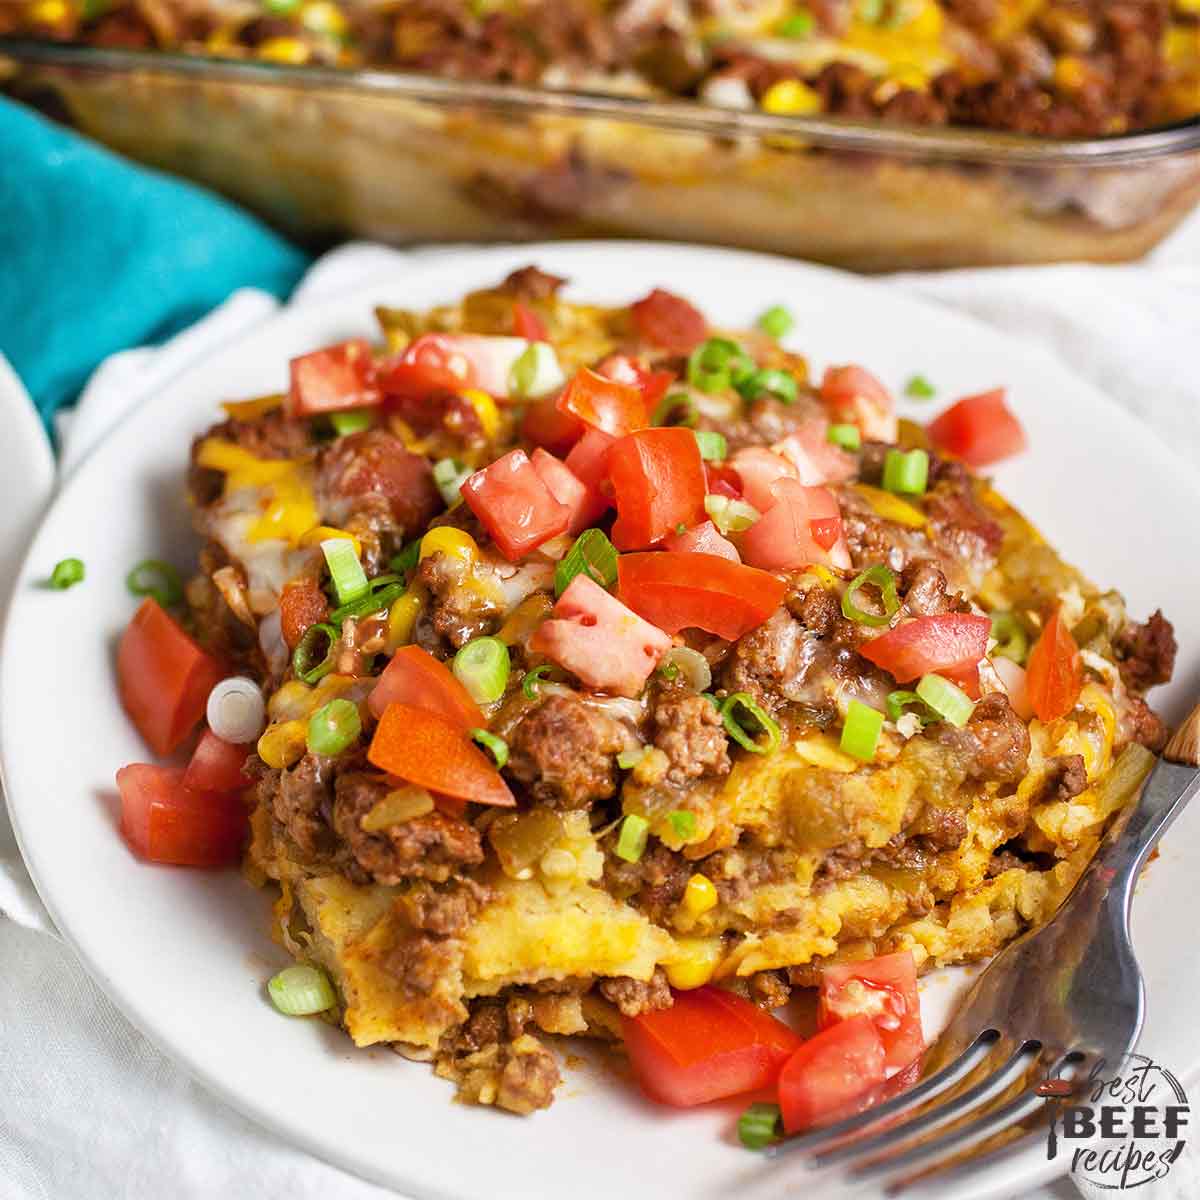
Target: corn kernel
[
  {"x": 291, "y": 702},
  {"x": 283, "y": 744},
  {"x": 318, "y": 533},
  {"x": 699, "y": 896},
  {"x": 47, "y": 12},
  {"x": 485, "y": 409},
  {"x": 402, "y": 618},
  {"x": 790, "y": 97},
  {"x": 448, "y": 540},
  {"x": 291, "y": 51},
  {"x": 1070, "y": 74},
  {"x": 696, "y": 962}
]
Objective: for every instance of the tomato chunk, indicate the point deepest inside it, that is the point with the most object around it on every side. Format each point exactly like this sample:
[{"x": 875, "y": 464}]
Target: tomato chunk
[
  {"x": 375, "y": 462},
  {"x": 613, "y": 408},
  {"x": 833, "y": 1075},
  {"x": 804, "y": 525},
  {"x": 437, "y": 362},
  {"x": 588, "y": 462},
  {"x": 216, "y": 765},
  {"x": 708, "y": 1045},
  {"x": 594, "y": 636},
  {"x": 979, "y": 429},
  {"x": 414, "y": 677},
  {"x": 424, "y": 748},
  {"x": 1054, "y": 672},
  {"x": 721, "y": 479},
  {"x": 302, "y": 603},
  {"x": 885, "y": 991},
  {"x": 759, "y": 469},
  {"x": 166, "y": 822},
  {"x": 658, "y": 480},
  {"x": 527, "y": 324},
  {"x": 816, "y": 459},
  {"x": 652, "y": 384},
  {"x": 566, "y": 487},
  {"x": 545, "y": 424},
  {"x": 515, "y": 506},
  {"x": 677, "y": 591},
  {"x": 702, "y": 539},
  {"x": 853, "y": 396},
  {"x": 335, "y": 379},
  {"x": 669, "y": 321},
  {"x": 163, "y": 677},
  {"x": 939, "y": 643}
]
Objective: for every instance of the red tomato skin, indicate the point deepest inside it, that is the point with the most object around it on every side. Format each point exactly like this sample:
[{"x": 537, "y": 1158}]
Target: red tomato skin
[
  {"x": 545, "y": 425},
  {"x": 566, "y": 487},
  {"x": 302, "y": 604},
  {"x": 166, "y": 822},
  {"x": 705, "y": 1047},
  {"x": 431, "y": 363},
  {"x": 980, "y": 429},
  {"x": 334, "y": 379},
  {"x": 414, "y": 677},
  {"x": 852, "y": 395},
  {"x": 803, "y": 526},
  {"x": 702, "y": 539},
  {"x": 760, "y": 469},
  {"x": 163, "y": 677},
  {"x": 652, "y": 384},
  {"x": 613, "y": 408},
  {"x": 669, "y": 321},
  {"x": 515, "y": 505},
  {"x": 887, "y": 983},
  {"x": 658, "y": 480},
  {"x": 690, "y": 590},
  {"x": 1054, "y": 671},
  {"x": 216, "y": 765},
  {"x": 833, "y": 1075},
  {"x": 938, "y": 643},
  {"x": 816, "y": 459},
  {"x": 527, "y": 324},
  {"x": 588, "y": 462}
]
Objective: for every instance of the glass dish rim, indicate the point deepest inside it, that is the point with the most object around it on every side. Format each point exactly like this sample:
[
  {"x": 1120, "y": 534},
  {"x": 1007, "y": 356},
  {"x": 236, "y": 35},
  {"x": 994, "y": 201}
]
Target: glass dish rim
[{"x": 937, "y": 143}]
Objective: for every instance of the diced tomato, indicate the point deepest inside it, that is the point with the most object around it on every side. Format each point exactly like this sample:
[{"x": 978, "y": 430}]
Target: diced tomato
[
  {"x": 588, "y": 462},
  {"x": 677, "y": 591},
  {"x": 965, "y": 676},
  {"x": 979, "y": 429},
  {"x": 377, "y": 462},
  {"x": 302, "y": 603},
  {"x": 514, "y": 504},
  {"x": 803, "y": 526},
  {"x": 335, "y": 379},
  {"x": 702, "y": 539},
  {"x": 1054, "y": 671},
  {"x": 166, "y": 822},
  {"x": 939, "y": 643},
  {"x": 424, "y": 748},
  {"x": 438, "y": 362},
  {"x": 566, "y": 487},
  {"x": 414, "y": 677},
  {"x": 163, "y": 678},
  {"x": 594, "y": 636},
  {"x": 721, "y": 479},
  {"x": 885, "y": 991},
  {"x": 759, "y": 469},
  {"x": 658, "y": 480},
  {"x": 669, "y": 321},
  {"x": 652, "y": 384},
  {"x": 708, "y": 1045},
  {"x": 833, "y": 1075},
  {"x": 1013, "y": 676},
  {"x": 816, "y": 459},
  {"x": 853, "y": 396},
  {"x": 527, "y": 324},
  {"x": 216, "y": 765},
  {"x": 613, "y": 408},
  {"x": 544, "y": 424}
]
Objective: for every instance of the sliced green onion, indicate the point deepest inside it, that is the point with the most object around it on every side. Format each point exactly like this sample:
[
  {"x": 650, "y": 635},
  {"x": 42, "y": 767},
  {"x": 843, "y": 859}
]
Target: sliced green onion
[
  {"x": 860, "y": 733},
  {"x": 919, "y": 388},
  {"x": 301, "y": 991},
  {"x": 1012, "y": 640},
  {"x": 334, "y": 727},
  {"x": 670, "y": 404},
  {"x": 482, "y": 666},
  {"x": 350, "y": 422},
  {"x": 67, "y": 573},
  {"x": 683, "y": 823},
  {"x": 450, "y": 475},
  {"x": 535, "y": 372},
  {"x": 781, "y": 384},
  {"x": 307, "y": 667},
  {"x": 496, "y": 746},
  {"x": 281, "y": 8},
  {"x": 777, "y": 320},
  {"x": 946, "y": 699},
  {"x": 717, "y": 364},
  {"x": 383, "y": 592},
  {"x": 730, "y": 515},
  {"x": 758, "y": 1126},
  {"x": 713, "y": 446},
  {"x": 349, "y": 579},
  {"x": 593, "y": 555},
  {"x": 628, "y": 759},
  {"x": 882, "y": 578},
  {"x": 668, "y": 671},
  {"x": 691, "y": 664},
  {"x": 846, "y": 436},
  {"x": 529, "y": 685},
  {"x": 153, "y": 577},
  {"x": 755, "y": 711},
  {"x": 906, "y": 472},
  {"x": 899, "y": 700},
  {"x": 631, "y": 841},
  {"x": 408, "y": 558}
]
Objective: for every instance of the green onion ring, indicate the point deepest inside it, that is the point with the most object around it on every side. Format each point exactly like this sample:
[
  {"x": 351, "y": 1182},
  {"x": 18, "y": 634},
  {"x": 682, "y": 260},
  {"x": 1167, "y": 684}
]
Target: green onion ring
[
  {"x": 496, "y": 746},
  {"x": 736, "y": 731},
  {"x": 885, "y": 581},
  {"x": 306, "y": 670},
  {"x": 157, "y": 579}
]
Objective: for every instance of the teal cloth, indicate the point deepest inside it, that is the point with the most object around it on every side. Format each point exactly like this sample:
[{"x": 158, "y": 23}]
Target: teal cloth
[{"x": 98, "y": 255}]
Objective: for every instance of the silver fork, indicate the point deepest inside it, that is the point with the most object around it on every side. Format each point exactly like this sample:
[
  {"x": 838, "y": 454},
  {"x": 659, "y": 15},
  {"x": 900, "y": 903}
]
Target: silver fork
[{"x": 1058, "y": 1003}]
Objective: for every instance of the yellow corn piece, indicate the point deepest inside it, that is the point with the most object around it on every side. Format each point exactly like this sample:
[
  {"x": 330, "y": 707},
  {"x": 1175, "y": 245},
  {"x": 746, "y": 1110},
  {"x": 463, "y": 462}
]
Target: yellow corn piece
[
  {"x": 448, "y": 540},
  {"x": 318, "y": 533},
  {"x": 696, "y": 962},
  {"x": 485, "y": 410},
  {"x": 890, "y": 507},
  {"x": 291, "y": 51},
  {"x": 251, "y": 410},
  {"x": 1070, "y": 74},
  {"x": 525, "y": 618},
  {"x": 402, "y": 617},
  {"x": 291, "y": 702},
  {"x": 699, "y": 896},
  {"x": 283, "y": 744},
  {"x": 790, "y": 97},
  {"x": 47, "y": 12}
]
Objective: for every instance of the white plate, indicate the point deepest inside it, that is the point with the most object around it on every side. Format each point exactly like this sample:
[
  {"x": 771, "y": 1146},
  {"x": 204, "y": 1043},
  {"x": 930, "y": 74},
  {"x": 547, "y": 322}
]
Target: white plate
[{"x": 185, "y": 954}]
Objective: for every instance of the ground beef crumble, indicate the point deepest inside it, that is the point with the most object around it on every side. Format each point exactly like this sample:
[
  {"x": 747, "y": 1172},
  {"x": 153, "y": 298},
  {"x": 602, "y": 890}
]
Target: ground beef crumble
[
  {"x": 1146, "y": 652},
  {"x": 633, "y": 996}
]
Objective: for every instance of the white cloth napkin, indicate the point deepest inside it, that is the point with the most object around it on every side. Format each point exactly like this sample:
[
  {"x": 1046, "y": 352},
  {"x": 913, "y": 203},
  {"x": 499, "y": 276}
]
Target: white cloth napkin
[{"x": 89, "y": 1110}]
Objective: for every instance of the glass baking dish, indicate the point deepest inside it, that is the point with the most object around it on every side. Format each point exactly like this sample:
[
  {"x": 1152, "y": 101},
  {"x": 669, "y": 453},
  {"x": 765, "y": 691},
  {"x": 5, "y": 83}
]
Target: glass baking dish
[{"x": 326, "y": 152}]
